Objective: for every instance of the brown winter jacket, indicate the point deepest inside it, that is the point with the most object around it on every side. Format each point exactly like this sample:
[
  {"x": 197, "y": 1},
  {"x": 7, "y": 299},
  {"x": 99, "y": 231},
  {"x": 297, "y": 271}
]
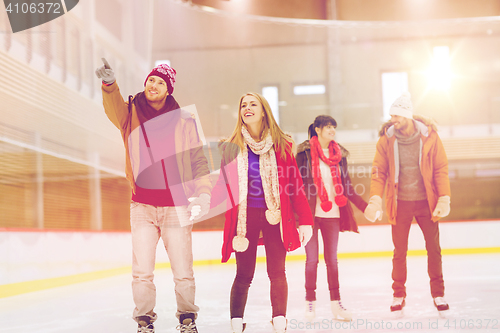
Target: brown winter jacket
[
  {"x": 433, "y": 166},
  {"x": 191, "y": 161}
]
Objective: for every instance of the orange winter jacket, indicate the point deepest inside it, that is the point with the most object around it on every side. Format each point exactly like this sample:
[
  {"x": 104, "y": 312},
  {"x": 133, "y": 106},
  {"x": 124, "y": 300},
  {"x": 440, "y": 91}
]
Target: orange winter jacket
[{"x": 433, "y": 166}]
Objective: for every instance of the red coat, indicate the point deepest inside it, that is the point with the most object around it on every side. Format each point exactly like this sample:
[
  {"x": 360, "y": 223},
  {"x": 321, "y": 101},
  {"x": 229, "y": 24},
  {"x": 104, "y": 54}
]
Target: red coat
[{"x": 292, "y": 198}]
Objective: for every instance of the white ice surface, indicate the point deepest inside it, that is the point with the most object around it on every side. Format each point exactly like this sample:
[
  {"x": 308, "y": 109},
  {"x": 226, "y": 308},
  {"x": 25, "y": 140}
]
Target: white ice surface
[{"x": 472, "y": 290}]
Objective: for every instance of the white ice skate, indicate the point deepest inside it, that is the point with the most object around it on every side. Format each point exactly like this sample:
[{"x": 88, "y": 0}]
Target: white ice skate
[
  {"x": 237, "y": 325},
  {"x": 339, "y": 312},
  {"x": 279, "y": 324},
  {"x": 310, "y": 310},
  {"x": 441, "y": 306},
  {"x": 398, "y": 303}
]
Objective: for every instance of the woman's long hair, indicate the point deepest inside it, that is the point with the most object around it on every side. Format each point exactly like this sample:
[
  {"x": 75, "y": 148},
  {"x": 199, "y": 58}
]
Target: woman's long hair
[
  {"x": 280, "y": 139},
  {"x": 320, "y": 121}
]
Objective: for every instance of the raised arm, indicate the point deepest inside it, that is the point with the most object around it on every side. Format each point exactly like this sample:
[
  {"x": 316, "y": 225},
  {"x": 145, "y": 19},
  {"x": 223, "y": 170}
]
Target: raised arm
[{"x": 115, "y": 107}]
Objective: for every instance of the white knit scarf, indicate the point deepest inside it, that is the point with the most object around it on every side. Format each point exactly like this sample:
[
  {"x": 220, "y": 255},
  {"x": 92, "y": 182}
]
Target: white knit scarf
[{"x": 270, "y": 183}]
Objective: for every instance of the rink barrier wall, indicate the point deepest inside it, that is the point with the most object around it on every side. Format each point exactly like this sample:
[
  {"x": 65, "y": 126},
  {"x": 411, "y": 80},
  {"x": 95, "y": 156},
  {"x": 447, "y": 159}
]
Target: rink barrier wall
[
  {"x": 37, "y": 260},
  {"x": 14, "y": 289}
]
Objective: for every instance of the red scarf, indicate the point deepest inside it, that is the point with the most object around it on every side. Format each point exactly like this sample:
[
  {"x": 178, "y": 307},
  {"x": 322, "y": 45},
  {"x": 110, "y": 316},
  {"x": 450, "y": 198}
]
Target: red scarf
[{"x": 335, "y": 155}]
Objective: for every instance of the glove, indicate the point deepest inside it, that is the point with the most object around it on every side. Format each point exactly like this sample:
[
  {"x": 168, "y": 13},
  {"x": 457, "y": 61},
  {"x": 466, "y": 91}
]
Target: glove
[
  {"x": 199, "y": 206},
  {"x": 443, "y": 206},
  {"x": 305, "y": 234},
  {"x": 374, "y": 209},
  {"x": 107, "y": 75}
]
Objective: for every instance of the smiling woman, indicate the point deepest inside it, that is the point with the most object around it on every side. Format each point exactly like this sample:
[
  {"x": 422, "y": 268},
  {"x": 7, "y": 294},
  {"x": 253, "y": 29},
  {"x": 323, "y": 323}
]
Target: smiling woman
[
  {"x": 263, "y": 167},
  {"x": 323, "y": 166},
  {"x": 253, "y": 114}
]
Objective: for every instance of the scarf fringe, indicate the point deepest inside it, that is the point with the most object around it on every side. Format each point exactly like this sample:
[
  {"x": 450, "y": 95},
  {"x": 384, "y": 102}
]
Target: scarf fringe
[
  {"x": 335, "y": 156},
  {"x": 270, "y": 183}
]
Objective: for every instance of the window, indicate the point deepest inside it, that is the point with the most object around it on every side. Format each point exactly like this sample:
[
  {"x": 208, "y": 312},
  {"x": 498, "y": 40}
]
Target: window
[
  {"x": 439, "y": 72},
  {"x": 311, "y": 89},
  {"x": 140, "y": 23},
  {"x": 270, "y": 93},
  {"x": 393, "y": 85},
  {"x": 74, "y": 57},
  {"x": 109, "y": 14},
  {"x": 61, "y": 48}
]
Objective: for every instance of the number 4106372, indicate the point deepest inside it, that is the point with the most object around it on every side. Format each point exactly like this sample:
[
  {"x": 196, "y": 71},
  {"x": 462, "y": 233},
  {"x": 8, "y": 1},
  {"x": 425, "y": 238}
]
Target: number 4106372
[{"x": 34, "y": 8}]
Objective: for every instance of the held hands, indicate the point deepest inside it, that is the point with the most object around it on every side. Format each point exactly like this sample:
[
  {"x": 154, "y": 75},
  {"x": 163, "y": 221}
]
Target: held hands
[
  {"x": 374, "y": 209},
  {"x": 305, "y": 234},
  {"x": 442, "y": 207},
  {"x": 199, "y": 206},
  {"x": 105, "y": 73}
]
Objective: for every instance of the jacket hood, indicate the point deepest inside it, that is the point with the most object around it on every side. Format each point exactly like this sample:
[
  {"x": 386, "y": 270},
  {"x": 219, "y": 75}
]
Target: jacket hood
[
  {"x": 307, "y": 146},
  {"x": 425, "y": 124}
]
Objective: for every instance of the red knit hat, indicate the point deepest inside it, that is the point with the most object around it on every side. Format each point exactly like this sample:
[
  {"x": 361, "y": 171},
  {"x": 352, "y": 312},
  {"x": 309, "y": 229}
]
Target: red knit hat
[{"x": 167, "y": 73}]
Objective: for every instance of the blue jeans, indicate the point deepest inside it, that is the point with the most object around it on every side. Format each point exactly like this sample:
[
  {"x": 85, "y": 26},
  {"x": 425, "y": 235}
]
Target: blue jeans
[
  {"x": 245, "y": 265},
  {"x": 330, "y": 233}
]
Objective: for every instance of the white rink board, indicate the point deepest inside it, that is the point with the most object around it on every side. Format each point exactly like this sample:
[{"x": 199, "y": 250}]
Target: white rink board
[{"x": 35, "y": 255}]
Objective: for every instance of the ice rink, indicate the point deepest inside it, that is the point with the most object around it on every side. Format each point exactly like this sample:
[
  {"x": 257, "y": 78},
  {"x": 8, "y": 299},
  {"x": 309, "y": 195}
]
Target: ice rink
[{"x": 105, "y": 305}]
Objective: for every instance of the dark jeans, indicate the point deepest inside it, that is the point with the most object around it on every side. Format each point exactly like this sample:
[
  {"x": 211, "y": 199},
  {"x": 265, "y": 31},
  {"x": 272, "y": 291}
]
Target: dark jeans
[
  {"x": 405, "y": 212},
  {"x": 245, "y": 265},
  {"x": 330, "y": 234}
]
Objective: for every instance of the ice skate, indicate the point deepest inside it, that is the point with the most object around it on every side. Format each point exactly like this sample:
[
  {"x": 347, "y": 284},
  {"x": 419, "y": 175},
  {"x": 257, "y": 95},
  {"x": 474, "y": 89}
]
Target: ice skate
[
  {"x": 441, "y": 306},
  {"x": 187, "y": 324},
  {"x": 339, "y": 312},
  {"x": 237, "y": 325},
  {"x": 398, "y": 303},
  {"x": 310, "y": 310},
  {"x": 145, "y": 324},
  {"x": 146, "y": 329},
  {"x": 279, "y": 324}
]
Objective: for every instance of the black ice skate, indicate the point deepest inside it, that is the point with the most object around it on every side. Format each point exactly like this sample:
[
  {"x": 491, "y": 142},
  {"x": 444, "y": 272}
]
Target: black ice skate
[
  {"x": 187, "y": 324},
  {"x": 146, "y": 329},
  {"x": 145, "y": 324}
]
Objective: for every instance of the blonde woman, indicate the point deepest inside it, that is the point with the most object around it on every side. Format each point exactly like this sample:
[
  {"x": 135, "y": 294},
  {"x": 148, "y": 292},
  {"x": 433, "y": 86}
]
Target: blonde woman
[{"x": 260, "y": 179}]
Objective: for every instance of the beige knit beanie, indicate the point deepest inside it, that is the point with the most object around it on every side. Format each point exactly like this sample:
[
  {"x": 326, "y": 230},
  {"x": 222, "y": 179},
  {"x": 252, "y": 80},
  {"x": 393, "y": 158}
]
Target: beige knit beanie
[{"x": 402, "y": 106}]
